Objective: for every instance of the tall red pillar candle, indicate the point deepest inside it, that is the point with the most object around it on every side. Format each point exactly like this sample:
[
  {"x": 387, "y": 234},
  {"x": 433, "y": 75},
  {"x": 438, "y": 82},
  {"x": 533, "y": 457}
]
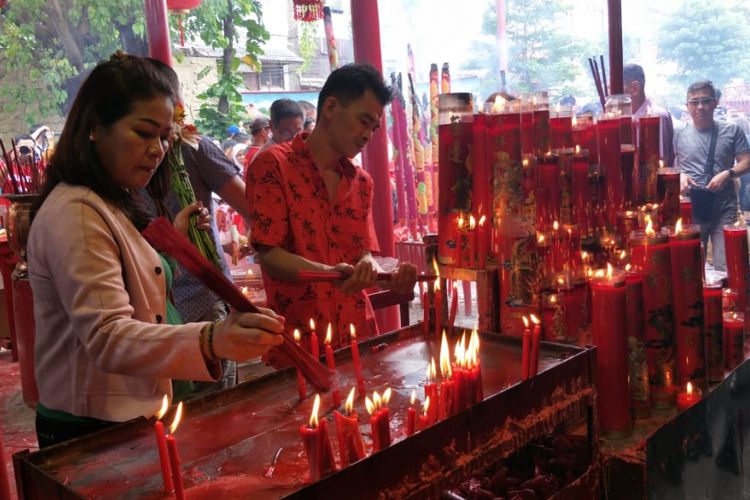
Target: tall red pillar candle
[
  {"x": 535, "y": 339},
  {"x": 356, "y": 360},
  {"x": 576, "y": 309},
  {"x": 525, "y": 350},
  {"x": 301, "y": 386},
  {"x": 548, "y": 175},
  {"x": 351, "y": 445},
  {"x": 738, "y": 269},
  {"x": 475, "y": 367},
  {"x": 581, "y": 190},
  {"x": 686, "y": 211},
  {"x": 481, "y": 175},
  {"x": 505, "y": 164},
  {"x": 648, "y": 157},
  {"x": 668, "y": 194},
  {"x": 161, "y": 446},
  {"x": 331, "y": 364},
  {"x": 609, "y": 334},
  {"x": 608, "y": 131},
  {"x": 649, "y": 252},
  {"x": 317, "y": 444},
  {"x": 314, "y": 345},
  {"x": 174, "y": 456},
  {"x": 687, "y": 289},
  {"x": 712, "y": 331},
  {"x": 636, "y": 325},
  {"x": 431, "y": 392},
  {"x": 455, "y": 144},
  {"x": 411, "y": 415},
  {"x": 541, "y": 124},
  {"x": 445, "y": 405},
  {"x": 426, "y": 313},
  {"x": 438, "y": 308},
  {"x": 734, "y": 340},
  {"x": 454, "y": 306},
  {"x": 626, "y": 130},
  {"x": 561, "y": 129}
]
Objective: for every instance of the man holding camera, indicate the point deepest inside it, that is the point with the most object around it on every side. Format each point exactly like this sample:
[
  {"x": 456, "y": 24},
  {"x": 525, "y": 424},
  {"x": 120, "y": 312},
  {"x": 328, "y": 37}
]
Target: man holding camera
[{"x": 710, "y": 155}]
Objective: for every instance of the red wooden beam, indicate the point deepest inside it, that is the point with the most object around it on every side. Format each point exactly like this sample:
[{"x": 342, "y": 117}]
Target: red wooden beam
[{"x": 614, "y": 9}]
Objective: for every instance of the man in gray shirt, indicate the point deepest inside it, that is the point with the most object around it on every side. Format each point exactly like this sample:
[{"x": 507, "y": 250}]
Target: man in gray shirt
[{"x": 731, "y": 160}]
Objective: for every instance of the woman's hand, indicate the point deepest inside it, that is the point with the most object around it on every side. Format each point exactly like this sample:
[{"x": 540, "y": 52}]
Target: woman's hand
[
  {"x": 243, "y": 336},
  {"x": 361, "y": 276},
  {"x": 182, "y": 220}
]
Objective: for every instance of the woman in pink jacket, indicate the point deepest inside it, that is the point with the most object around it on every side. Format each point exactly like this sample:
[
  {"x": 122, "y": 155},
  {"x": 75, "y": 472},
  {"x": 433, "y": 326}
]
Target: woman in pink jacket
[{"x": 105, "y": 352}]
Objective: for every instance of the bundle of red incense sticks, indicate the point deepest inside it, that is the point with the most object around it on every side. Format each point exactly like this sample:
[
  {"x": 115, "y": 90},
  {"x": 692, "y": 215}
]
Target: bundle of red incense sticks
[
  {"x": 306, "y": 276},
  {"x": 163, "y": 236}
]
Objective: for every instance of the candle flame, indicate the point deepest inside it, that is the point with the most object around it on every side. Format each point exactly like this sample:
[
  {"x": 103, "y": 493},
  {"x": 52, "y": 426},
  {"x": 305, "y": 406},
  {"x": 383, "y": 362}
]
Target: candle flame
[
  {"x": 525, "y": 162},
  {"x": 413, "y": 398},
  {"x": 433, "y": 369},
  {"x": 312, "y": 325},
  {"x": 377, "y": 401},
  {"x": 369, "y": 406},
  {"x": 475, "y": 336},
  {"x": 176, "y": 420},
  {"x": 352, "y": 331},
  {"x": 689, "y": 389},
  {"x": 482, "y": 220},
  {"x": 628, "y": 267},
  {"x": 555, "y": 226},
  {"x": 540, "y": 239},
  {"x": 609, "y": 271},
  {"x": 553, "y": 298},
  {"x": 678, "y": 226},
  {"x": 314, "y": 413},
  {"x": 623, "y": 255},
  {"x": 297, "y": 336},
  {"x": 499, "y": 104},
  {"x": 661, "y": 163},
  {"x": 578, "y": 148},
  {"x": 349, "y": 403},
  {"x": 164, "y": 407},
  {"x": 386, "y": 396},
  {"x": 435, "y": 267},
  {"x": 437, "y": 285},
  {"x": 249, "y": 272},
  {"x": 455, "y": 286},
  {"x": 459, "y": 351},
  {"x": 525, "y": 321},
  {"x": 426, "y": 405},
  {"x": 445, "y": 358},
  {"x": 649, "y": 226},
  {"x": 460, "y": 221},
  {"x": 244, "y": 290},
  {"x": 472, "y": 222},
  {"x": 534, "y": 319},
  {"x": 329, "y": 334},
  {"x": 734, "y": 315}
]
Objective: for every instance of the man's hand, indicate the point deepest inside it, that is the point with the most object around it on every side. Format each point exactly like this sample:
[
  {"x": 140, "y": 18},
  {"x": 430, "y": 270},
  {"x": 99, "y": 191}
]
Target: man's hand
[
  {"x": 403, "y": 280},
  {"x": 686, "y": 183},
  {"x": 361, "y": 276},
  {"x": 719, "y": 181}
]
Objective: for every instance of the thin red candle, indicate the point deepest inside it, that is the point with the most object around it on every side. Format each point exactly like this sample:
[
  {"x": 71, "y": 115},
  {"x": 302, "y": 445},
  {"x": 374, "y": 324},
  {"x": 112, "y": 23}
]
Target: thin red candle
[
  {"x": 738, "y": 269},
  {"x": 438, "y": 308},
  {"x": 649, "y": 253},
  {"x": 314, "y": 346},
  {"x": 581, "y": 190},
  {"x": 608, "y": 131},
  {"x": 648, "y": 157},
  {"x": 356, "y": 360},
  {"x": 301, "y": 386},
  {"x": 626, "y": 130},
  {"x": 609, "y": 334},
  {"x": 317, "y": 444},
  {"x": 351, "y": 445},
  {"x": 426, "y": 313},
  {"x": 687, "y": 289},
  {"x": 431, "y": 391},
  {"x": 331, "y": 364},
  {"x": 688, "y": 398},
  {"x": 454, "y": 306},
  {"x": 534, "y": 361},
  {"x": 174, "y": 456},
  {"x": 548, "y": 176},
  {"x": 712, "y": 331},
  {"x": 525, "y": 350},
  {"x": 424, "y": 419},
  {"x": 444, "y": 402},
  {"x": 161, "y": 445},
  {"x": 380, "y": 420},
  {"x": 636, "y": 328},
  {"x": 411, "y": 415},
  {"x": 561, "y": 130},
  {"x": 734, "y": 340}
]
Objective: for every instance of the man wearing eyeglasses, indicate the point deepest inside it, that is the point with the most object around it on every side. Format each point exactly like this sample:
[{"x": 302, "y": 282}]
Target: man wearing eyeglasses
[{"x": 731, "y": 159}]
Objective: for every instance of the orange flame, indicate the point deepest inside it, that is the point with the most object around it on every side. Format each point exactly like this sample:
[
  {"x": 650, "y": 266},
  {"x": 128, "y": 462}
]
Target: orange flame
[
  {"x": 296, "y": 335},
  {"x": 386, "y": 396},
  {"x": 377, "y": 401},
  {"x": 164, "y": 407},
  {"x": 445, "y": 358},
  {"x": 329, "y": 334},
  {"x": 678, "y": 226},
  {"x": 534, "y": 319},
  {"x": 426, "y": 405},
  {"x": 472, "y": 223},
  {"x": 649, "y": 226},
  {"x": 349, "y": 403},
  {"x": 413, "y": 398},
  {"x": 176, "y": 420},
  {"x": 525, "y": 321},
  {"x": 314, "y": 412},
  {"x": 578, "y": 148},
  {"x": 482, "y": 220},
  {"x": 312, "y": 325},
  {"x": 555, "y": 226},
  {"x": 369, "y": 405},
  {"x": 352, "y": 331},
  {"x": 460, "y": 221},
  {"x": 689, "y": 389},
  {"x": 609, "y": 271}
]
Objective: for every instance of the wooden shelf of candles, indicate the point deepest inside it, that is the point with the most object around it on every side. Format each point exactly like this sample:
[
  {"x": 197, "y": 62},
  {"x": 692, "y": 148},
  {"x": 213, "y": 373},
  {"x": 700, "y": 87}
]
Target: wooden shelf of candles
[{"x": 266, "y": 438}]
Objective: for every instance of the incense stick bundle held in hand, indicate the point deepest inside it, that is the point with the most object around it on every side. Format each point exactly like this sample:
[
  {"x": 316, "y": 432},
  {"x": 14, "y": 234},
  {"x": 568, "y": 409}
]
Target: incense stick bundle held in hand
[{"x": 163, "y": 236}]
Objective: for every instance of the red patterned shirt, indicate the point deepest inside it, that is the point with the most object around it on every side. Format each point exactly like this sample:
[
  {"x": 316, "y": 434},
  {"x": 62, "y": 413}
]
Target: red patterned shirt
[{"x": 290, "y": 209}]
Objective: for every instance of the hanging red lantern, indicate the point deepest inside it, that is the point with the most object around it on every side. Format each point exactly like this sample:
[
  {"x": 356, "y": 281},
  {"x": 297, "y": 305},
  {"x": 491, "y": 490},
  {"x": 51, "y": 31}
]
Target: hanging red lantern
[
  {"x": 181, "y": 7},
  {"x": 308, "y": 10}
]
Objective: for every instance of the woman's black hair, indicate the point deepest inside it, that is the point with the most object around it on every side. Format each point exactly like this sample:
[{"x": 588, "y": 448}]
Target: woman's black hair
[{"x": 108, "y": 94}]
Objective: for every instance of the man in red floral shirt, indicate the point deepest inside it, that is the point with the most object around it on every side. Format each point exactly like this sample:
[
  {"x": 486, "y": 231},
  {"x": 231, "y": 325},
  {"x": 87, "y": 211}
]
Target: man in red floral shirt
[{"x": 311, "y": 210}]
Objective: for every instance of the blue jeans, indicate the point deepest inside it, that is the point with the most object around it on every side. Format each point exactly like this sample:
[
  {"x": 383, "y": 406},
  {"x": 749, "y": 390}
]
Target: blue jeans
[{"x": 715, "y": 231}]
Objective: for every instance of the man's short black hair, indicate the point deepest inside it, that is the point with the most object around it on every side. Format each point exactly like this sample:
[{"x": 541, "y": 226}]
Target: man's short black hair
[
  {"x": 351, "y": 81},
  {"x": 633, "y": 73},
  {"x": 707, "y": 85},
  {"x": 285, "y": 108}
]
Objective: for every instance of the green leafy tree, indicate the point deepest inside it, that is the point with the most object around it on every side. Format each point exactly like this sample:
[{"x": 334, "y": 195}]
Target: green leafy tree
[
  {"x": 222, "y": 24},
  {"x": 706, "y": 40},
  {"x": 46, "y": 46},
  {"x": 540, "y": 55}
]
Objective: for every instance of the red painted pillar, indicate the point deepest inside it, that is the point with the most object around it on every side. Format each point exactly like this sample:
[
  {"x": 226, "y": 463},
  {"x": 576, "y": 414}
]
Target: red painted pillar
[
  {"x": 366, "y": 38},
  {"x": 614, "y": 9},
  {"x": 157, "y": 30}
]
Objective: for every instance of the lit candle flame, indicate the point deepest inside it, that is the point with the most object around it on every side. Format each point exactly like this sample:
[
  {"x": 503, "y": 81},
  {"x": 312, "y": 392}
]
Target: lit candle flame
[
  {"x": 413, "y": 398},
  {"x": 678, "y": 226},
  {"x": 377, "y": 401},
  {"x": 312, "y": 325},
  {"x": 244, "y": 290},
  {"x": 176, "y": 420},
  {"x": 628, "y": 267},
  {"x": 555, "y": 226},
  {"x": 329, "y": 334},
  {"x": 482, "y": 220},
  {"x": 689, "y": 389},
  {"x": 609, "y": 271},
  {"x": 460, "y": 221},
  {"x": 433, "y": 369},
  {"x": 599, "y": 273},
  {"x": 475, "y": 336},
  {"x": 472, "y": 223},
  {"x": 369, "y": 406},
  {"x": 386, "y": 396},
  {"x": 661, "y": 163},
  {"x": 164, "y": 407},
  {"x": 352, "y": 331},
  {"x": 540, "y": 239},
  {"x": 623, "y": 255},
  {"x": 249, "y": 272},
  {"x": 314, "y": 413},
  {"x": 534, "y": 319},
  {"x": 578, "y": 148},
  {"x": 349, "y": 403},
  {"x": 435, "y": 267},
  {"x": 445, "y": 358},
  {"x": 525, "y": 321},
  {"x": 426, "y": 405},
  {"x": 649, "y": 227},
  {"x": 553, "y": 298},
  {"x": 525, "y": 162},
  {"x": 296, "y": 335}
]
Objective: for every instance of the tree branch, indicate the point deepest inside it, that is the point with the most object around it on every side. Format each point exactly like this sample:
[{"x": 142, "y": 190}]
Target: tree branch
[{"x": 60, "y": 24}]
